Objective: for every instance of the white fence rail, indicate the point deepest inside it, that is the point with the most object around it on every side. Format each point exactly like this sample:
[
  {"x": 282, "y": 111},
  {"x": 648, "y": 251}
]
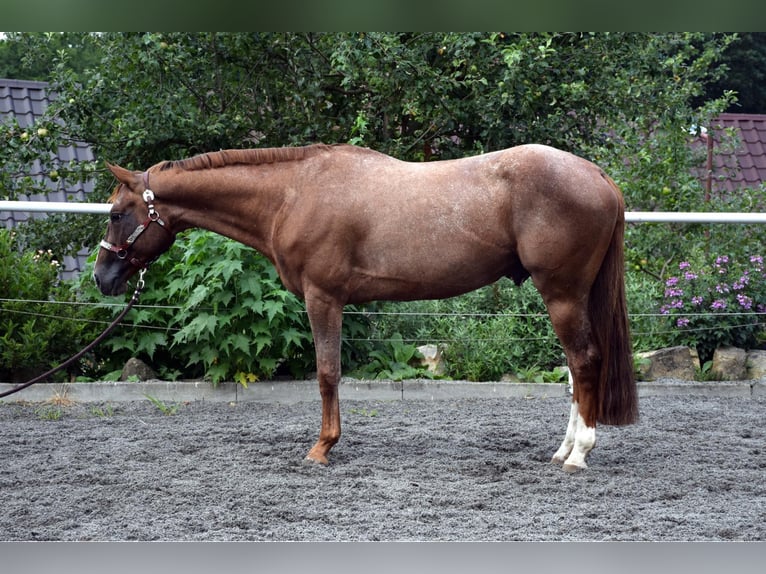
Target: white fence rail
[
  {"x": 693, "y": 217},
  {"x": 630, "y": 216},
  {"x": 54, "y": 207}
]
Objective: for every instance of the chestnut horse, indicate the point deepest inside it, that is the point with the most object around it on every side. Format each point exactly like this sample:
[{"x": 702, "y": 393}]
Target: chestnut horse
[{"x": 344, "y": 224}]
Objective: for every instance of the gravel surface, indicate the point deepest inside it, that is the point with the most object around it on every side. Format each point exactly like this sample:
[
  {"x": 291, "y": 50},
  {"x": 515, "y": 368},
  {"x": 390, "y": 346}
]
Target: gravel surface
[{"x": 692, "y": 469}]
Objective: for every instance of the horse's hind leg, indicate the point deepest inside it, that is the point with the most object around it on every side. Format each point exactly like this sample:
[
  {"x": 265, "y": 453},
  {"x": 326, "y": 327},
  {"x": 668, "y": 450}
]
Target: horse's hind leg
[
  {"x": 579, "y": 440},
  {"x": 573, "y": 329}
]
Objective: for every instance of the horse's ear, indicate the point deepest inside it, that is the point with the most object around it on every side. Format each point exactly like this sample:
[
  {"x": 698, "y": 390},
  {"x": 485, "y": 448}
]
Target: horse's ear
[{"x": 129, "y": 178}]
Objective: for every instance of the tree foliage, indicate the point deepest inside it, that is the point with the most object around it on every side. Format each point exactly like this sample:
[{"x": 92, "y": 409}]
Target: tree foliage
[
  {"x": 629, "y": 101},
  {"x": 621, "y": 99}
]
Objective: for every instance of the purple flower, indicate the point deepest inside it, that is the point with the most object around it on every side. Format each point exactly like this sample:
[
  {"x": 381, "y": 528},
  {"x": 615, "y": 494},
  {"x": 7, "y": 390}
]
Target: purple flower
[
  {"x": 758, "y": 260},
  {"x": 718, "y": 304},
  {"x": 682, "y": 322},
  {"x": 684, "y": 265},
  {"x": 671, "y": 282},
  {"x": 721, "y": 260},
  {"x": 690, "y": 275},
  {"x": 722, "y": 288},
  {"x": 743, "y": 281},
  {"x": 696, "y": 300},
  {"x": 744, "y": 301},
  {"x": 674, "y": 293}
]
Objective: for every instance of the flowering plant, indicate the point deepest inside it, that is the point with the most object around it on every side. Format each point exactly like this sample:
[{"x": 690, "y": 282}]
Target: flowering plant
[{"x": 716, "y": 304}]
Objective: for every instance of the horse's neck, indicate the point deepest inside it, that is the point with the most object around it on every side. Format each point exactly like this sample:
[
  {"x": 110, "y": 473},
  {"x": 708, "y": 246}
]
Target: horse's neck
[{"x": 225, "y": 201}]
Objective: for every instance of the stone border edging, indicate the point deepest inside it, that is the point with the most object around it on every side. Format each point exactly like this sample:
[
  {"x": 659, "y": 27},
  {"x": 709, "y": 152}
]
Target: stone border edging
[{"x": 351, "y": 389}]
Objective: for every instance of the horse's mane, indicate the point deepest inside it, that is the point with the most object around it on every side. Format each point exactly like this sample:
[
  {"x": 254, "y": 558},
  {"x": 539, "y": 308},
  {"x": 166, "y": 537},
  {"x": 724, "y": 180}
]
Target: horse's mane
[{"x": 216, "y": 159}]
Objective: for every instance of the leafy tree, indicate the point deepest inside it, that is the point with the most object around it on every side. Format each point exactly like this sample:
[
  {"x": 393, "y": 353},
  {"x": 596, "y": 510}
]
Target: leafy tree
[
  {"x": 620, "y": 99},
  {"x": 31, "y": 55},
  {"x": 627, "y": 101},
  {"x": 745, "y": 62}
]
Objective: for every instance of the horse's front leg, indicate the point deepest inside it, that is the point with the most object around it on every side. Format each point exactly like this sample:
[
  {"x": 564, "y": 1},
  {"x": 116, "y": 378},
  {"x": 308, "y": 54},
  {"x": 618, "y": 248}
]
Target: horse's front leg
[{"x": 326, "y": 317}]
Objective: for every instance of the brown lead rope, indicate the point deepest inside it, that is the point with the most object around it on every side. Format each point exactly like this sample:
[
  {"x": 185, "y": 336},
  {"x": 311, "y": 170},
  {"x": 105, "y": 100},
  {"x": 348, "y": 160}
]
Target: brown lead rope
[{"x": 101, "y": 337}]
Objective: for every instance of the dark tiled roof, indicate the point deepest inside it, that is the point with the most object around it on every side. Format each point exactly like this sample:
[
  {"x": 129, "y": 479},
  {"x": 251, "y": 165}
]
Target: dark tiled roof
[
  {"x": 742, "y": 165},
  {"x": 25, "y": 101}
]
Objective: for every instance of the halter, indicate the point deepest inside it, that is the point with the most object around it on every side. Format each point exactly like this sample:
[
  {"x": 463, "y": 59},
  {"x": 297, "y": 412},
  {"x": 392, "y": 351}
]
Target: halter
[{"x": 154, "y": 217}]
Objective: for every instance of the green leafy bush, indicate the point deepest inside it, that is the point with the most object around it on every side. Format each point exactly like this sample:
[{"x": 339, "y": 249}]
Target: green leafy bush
[
  {"x": 495, "y": 330},
  {"x": 36, "y": 330},
  {"x": 643, "y": 291},
  {"x": 215, "y": 308},
  {"x": 393, "y": 360}
]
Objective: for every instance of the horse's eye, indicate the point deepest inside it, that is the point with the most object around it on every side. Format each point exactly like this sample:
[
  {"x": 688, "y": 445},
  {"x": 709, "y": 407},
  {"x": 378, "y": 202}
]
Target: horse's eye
[{"x": 115, "y": 217}]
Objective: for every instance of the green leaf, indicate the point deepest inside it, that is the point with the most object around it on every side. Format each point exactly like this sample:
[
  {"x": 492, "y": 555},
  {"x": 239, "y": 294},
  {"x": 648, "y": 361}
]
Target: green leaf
[
  {"x": 197, "y": 296},
  {"x": 272, "y": 308},
  {"x": 239, "y": 342}
]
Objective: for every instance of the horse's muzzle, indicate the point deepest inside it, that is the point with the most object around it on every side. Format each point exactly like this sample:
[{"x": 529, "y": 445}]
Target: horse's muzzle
[{"x": 109, "y": 283}]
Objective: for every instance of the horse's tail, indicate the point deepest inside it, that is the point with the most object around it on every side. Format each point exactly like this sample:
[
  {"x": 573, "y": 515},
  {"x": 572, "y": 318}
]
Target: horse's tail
[{"x": 618, "y": 396}]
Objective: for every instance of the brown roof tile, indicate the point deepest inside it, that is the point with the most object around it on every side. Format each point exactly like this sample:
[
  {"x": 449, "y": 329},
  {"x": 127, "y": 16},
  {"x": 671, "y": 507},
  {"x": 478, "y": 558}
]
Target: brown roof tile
[{"x": 745, "y": 165}]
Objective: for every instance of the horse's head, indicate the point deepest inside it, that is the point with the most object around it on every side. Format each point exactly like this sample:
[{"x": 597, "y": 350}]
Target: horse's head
[{"x": 135, "y": 235}]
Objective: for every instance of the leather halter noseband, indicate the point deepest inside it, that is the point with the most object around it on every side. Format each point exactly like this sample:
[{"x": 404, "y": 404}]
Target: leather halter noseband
[{"x": 154, "y": 217}]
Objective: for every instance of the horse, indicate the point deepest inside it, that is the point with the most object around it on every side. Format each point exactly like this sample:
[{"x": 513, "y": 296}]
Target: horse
[{"x": 344, "y": 224}]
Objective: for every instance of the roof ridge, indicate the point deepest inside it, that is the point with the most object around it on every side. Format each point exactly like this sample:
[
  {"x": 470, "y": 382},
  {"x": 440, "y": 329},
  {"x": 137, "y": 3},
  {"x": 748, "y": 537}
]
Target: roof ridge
[
  {"x": 10, "y": 83},
  {"x": 740, "y": 116}
]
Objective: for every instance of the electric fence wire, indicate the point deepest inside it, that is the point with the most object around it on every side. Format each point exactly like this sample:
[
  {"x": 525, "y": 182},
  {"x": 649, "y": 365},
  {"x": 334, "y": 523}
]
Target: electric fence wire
[{"x": 370, "y": 313}]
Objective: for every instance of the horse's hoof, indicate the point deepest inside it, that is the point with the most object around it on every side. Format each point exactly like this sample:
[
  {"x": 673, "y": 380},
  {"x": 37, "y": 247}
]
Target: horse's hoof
[
  {"x": 316, "y": 459},
  {"x": 557, "y": 460},
  {"x": 573, "y": 468}
]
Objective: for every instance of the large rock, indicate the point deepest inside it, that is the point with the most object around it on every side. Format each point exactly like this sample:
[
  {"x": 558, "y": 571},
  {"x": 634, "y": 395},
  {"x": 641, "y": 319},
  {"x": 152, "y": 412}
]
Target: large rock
[
  {"x": 432, "y": 359},
  {"x": 729, "y": 364},
  {"x": 670, "y": 363},
  {"x": 137, "y": 369},
  {"x": 756, "y": 365}
]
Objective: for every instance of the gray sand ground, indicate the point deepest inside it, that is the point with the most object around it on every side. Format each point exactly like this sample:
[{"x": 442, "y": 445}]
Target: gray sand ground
[{"x": 693, "y": 468}]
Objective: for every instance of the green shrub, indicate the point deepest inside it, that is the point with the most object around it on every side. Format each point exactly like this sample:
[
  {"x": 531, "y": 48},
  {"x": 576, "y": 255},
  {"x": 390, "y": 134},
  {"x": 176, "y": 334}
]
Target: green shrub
[
  {"x": 214, "y": 308},
  {"x": 495, "y": 330},
  {"x": 643, "y": 293},
  {"x": 37, "y": 331},
  {"x": 393, "y": 360}
]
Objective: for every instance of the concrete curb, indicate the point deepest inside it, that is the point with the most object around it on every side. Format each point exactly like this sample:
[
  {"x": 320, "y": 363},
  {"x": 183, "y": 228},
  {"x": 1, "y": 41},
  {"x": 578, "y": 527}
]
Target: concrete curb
[{"x": 351, "y": 389}]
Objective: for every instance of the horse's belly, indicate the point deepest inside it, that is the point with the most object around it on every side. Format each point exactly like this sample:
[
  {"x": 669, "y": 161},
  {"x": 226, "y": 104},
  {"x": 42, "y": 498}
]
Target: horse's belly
[{"x": 435, "y": 274}]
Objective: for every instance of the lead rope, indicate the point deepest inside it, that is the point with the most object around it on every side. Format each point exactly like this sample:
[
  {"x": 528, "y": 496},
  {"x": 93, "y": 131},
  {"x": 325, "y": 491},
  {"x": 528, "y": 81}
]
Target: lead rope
[{"x": 133, "y": 300}]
